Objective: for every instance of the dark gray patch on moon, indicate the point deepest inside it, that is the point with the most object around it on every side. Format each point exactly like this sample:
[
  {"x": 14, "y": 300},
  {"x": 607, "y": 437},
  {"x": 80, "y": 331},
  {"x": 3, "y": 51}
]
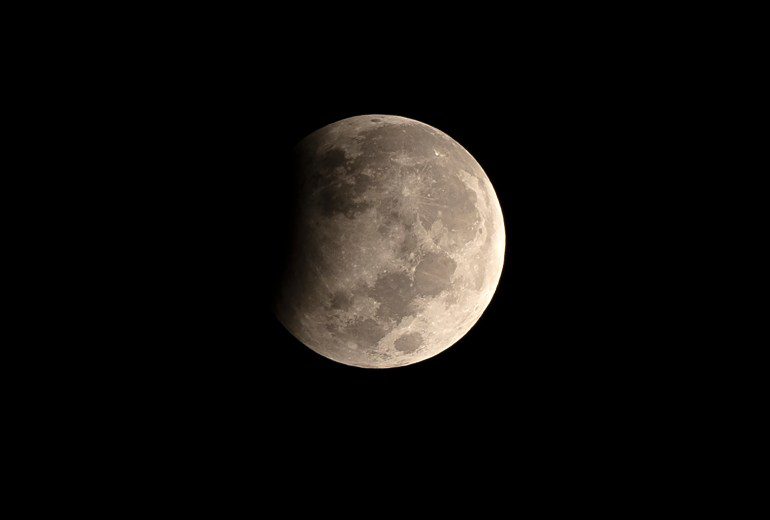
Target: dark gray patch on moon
[
  {"x": 408, "y": 342},
  {"x": 365, "y": 333},
  {"x": 339, "y": 200},
  {"x": 332, "y": 159},
  {"x": 341, "y": 300},
  {"x": 394, "y": 292}
]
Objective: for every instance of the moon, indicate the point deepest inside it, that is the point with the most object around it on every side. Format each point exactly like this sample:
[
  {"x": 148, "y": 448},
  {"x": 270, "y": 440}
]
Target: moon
[{"x": 398, "y": 244}]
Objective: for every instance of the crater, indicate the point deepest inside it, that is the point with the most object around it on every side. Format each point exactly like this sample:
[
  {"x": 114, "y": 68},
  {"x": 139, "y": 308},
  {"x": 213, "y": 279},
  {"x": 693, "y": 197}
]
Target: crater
[{"x": 409, "y": 342}]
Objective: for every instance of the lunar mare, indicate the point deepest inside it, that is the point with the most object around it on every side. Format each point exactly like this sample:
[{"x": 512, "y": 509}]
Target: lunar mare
[{"x": 399, "y": 243}]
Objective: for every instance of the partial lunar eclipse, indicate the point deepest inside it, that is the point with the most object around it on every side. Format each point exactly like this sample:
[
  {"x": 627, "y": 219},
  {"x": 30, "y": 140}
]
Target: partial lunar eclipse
[{"x": 399, "y": 243}]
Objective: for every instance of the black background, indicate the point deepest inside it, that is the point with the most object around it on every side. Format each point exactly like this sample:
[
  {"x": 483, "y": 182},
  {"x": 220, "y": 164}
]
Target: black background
[
  {"x": 564, "y": 134},
  {"x": 180, "y": 126},
  {"x": 558, "y": 327}
]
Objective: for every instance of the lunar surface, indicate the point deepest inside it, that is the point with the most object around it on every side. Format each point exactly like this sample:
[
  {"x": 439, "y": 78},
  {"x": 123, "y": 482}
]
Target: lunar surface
[{"x": 399, "y": 243}]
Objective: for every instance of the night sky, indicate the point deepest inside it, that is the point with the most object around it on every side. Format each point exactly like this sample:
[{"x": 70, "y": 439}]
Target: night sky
[
  {"x": 576, "y": 365},
  {"x": 559, "y": 334}
]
